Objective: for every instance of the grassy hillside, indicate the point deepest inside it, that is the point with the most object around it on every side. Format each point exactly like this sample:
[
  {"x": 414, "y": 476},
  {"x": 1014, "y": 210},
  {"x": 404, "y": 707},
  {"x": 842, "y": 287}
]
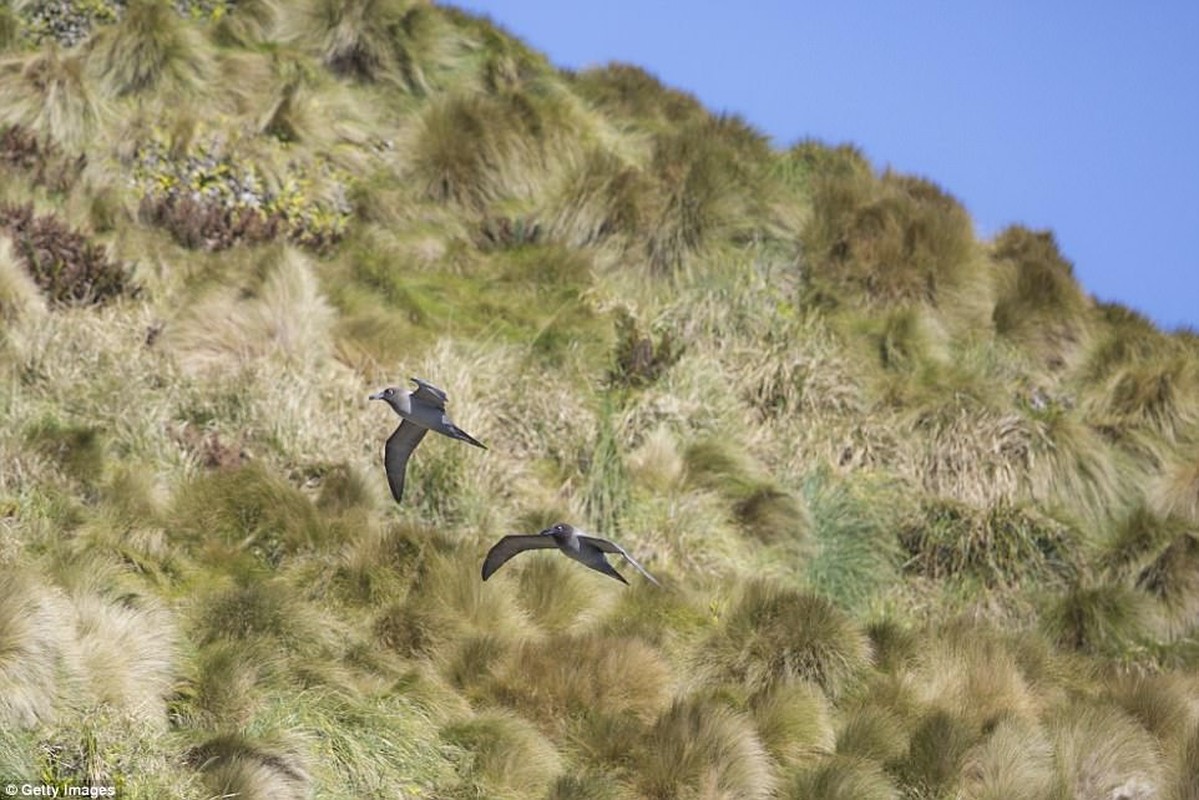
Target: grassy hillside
[{"x": 925, "y": 512}]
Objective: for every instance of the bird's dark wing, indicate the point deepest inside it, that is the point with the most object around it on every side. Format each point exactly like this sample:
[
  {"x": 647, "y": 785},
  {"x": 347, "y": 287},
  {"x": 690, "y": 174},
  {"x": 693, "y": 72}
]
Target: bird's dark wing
[
  {"x": 428, "y": 393},
  {"x": 613, "y": 547},
  {"x": 509, "y": 546},
  {"x": 395, "y": 457}
]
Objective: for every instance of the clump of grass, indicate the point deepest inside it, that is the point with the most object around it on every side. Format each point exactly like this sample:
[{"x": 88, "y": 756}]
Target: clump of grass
[
  {"x": 706, "y": 188},
  {"x": 49, "y": 93},
  {"x": 473, "y": 150},
  {"x": 870, "y": 732},
  {"x": 1157, "y": 394},
  {"x": 67, "y": 266},
  {"x": 248, "y": 510},
  {"x": 629, "y": 91},
  {"x": 894, "y": 239},
  {"x": 131, "y": 654},
  {"x": 1100, "y": 752},
  {"x": 855, "y": 555},
  {"x": 776, "y": 636},
  {"x": 34, "y": 631},
  {"x": 234, "y": 765},
  {"x": 1134, "y": 540},
  {"x": 79, "y": 451},
  {"x": 373, "y": 41},
  {"x": 1040, "y": 304},
  {"x": 1176, "y": 490},
  {"x": 765, "y": 510},
  {"x": 601, "y": 198},
  {"x": 1107, "y": 618},
  {"x": 285, "y": 316},
  {"x": 20, "y": 296},
  {"x": 1015, "y": 761},
  {"x": 1001, "y": 546},
  {"x": 936, "y": 753},
  {"x": 842, "y": 779},
  {"x": 503, "y": 756},
  {"x": 702, "y": 747},
  {"x": 577, "y": 675},
  {"x": 556, "y": 596},
  {"x": 1071, "y": 464},
  {"x": 151, "y": 47},
  {"x": 972, "y": 674},
  {"x": 795, "y": 723},
  {"x": 1173, "y": 579}
]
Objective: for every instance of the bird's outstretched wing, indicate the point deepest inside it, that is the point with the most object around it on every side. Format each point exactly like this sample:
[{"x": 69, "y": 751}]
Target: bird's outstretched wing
[
  {"x": 509, "y": 546},
  {"x": 613, "y": 547},
  {"x": 430, "y": 394},
  {"x": 395, "y": 456}
]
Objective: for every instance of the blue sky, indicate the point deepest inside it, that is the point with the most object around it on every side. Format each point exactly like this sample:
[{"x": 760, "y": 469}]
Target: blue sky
[{"x": 1078, "y": 117}]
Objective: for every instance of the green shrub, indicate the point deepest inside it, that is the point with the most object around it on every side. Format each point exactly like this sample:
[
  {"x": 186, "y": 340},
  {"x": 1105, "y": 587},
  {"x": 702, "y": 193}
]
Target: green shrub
[{"x": 69, "y": 268}]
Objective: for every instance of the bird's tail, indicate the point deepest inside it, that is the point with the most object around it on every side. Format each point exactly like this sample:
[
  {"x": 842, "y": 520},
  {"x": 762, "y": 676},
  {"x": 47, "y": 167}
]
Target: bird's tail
[{"x": 463, "y": 436}]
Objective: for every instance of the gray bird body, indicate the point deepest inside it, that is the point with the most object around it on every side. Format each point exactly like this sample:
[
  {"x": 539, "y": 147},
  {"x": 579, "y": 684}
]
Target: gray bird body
[
  {"x": 587, "y": 550},
  {"x": 420, "y": 411}
]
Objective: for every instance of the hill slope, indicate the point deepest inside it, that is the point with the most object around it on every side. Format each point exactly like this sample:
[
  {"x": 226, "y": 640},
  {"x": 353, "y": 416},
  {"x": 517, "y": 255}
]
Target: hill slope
[{"x": 926, "y": 514}]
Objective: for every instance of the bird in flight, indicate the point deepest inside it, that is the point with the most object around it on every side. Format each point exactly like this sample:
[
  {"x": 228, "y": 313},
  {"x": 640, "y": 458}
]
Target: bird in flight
[
  {"x": 421, "y": 410},
  {"x": 587, "y": 550}
]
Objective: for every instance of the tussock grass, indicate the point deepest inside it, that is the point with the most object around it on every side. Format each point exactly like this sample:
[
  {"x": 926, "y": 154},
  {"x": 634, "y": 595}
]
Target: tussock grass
[
  {"x": 150, "y": 48},
  {"x": 894, "y": 239},
  {"x": 472, "y": 150},
  {"x": 235, "y": 766},
  {"x": 1100, "y": 752},
  {"x": 20, "y": 297},
  {"x": 795, "y": 723},
  {"x": 1176, "y": 489},
  {"x": 1015, "y": 761},
  {"x": 701, "y": 748},
  {"x": 871, "y": 733},
  {"x": 706, "y": 188},
  {"x": 557, "y": 595},
  {"x": 1039, "y": 303},
  {"x": 765, "y": 510},
  {"x": 936, "y": 753},
  {"x": 35, "y": 656},
  {"x": 628, "y": 91},
  {"x": 1173, "y": 579},
  {"x": 245, "y": 512},
  {"x": 564, "y": 677},
  {"x": 968, "y": 452},
  {"x": 503, "y": 756},
  {"x": 1106, "y": 618},
  {"x": 775, "y": 635},
  {"x": 1002, "y": 546},
  {"x": 1072, "y": 465},
  {"x": 600, "y": 198},
  {"x": 129, "y": 650},
  {"x": 973, "y": 675},
  {"x": 49, "y": 92},
  {"x": 285, "y": 317},
  {"x": 855, "y": 555},
  {"x": 842, "y": 779},
  {"x": 394, "y": 41}
]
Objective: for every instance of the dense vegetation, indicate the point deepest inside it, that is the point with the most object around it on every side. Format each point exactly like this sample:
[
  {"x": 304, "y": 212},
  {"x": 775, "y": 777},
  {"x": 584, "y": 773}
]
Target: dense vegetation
[{"x": 926, "y": 513}]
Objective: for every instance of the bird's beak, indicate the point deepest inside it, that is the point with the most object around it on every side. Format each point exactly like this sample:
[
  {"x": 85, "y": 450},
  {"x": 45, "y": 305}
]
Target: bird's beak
[{"x": 376, "y": 396}]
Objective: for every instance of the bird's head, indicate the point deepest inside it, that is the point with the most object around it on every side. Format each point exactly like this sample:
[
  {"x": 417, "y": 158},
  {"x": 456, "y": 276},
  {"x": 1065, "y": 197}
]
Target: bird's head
[
  {"x": 393, "y": 396},
  {"x": 560, "y": 529}
]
